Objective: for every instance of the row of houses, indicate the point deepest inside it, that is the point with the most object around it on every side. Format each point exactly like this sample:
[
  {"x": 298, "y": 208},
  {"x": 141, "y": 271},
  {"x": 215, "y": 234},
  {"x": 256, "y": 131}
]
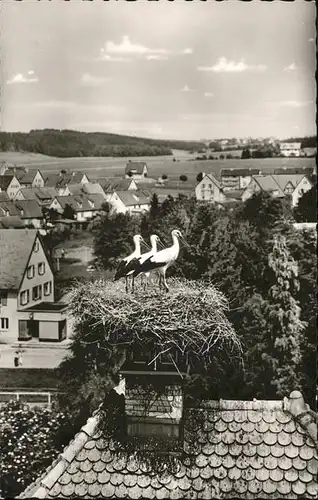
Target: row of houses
[{"x": 241, "y": 184}]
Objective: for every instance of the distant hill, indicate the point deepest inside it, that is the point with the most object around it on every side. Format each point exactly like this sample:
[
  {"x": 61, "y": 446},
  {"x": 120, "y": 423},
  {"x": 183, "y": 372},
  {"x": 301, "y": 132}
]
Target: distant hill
[
  {"x": 306, "y": 142},
  {"x": 71, "y": 143}
]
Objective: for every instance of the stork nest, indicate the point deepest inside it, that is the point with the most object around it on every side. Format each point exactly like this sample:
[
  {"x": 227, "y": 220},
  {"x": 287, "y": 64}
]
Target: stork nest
[{"x": 191, "y": 318}]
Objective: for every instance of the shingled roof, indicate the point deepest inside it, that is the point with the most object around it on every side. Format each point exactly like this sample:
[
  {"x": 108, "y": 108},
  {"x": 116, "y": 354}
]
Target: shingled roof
[
  {"x": 136, "y": 167},
  {"x": 5, "y": 181},
  {"x": 245, "y": 449},
  {"x": 15, "y": 250}
]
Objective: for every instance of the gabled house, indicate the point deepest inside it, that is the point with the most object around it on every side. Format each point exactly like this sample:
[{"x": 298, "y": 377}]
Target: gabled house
[
  {"x": 27, "y": 307},
  {"x": 86, "y": 188},
  {"x": 30, "y": 212},
  {"x": 290, "y": 148},
  {"x": 121, "y": 185},
  {"x": 262, "y": 183},
  {"x": 237, "y": 178},
  {"x": 43, "y": 195},
  {"x": 209, "y": 190},
  {"x": 27, "y": 179},
  {"x": 4, "y": 196},
  {"x": 38, "y": 179},
  {"x": 8, "y": 209},
  {"x": 10, "y": 184},
  {"x": 293, "y": 185},
  {"x": 18, "y": 171},
  {"x": 61, "y": 180},
  {"x": 132, "y": 202},
  {"x": 136, "y": 169},
  {"x": 85, "y": 206}
]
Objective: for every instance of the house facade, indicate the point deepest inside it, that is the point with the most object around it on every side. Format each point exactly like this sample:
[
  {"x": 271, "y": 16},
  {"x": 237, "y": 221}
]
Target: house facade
[
  {"x": 302, "y": 187},
  {"x": 290, "y": 149},
  {"x": 262, "y": 183},
  {"x": 86, "y": 207},
  {"x": 10, "y": 184},
  {"x": 209, "y": 190},
  {"x": 27, "y": 302},
  {"x": 38, "y": 180},
  {"x": 136, "y": 170},
  {"x": 237, "y": 178},
  {"x": 132, "y": 202}
]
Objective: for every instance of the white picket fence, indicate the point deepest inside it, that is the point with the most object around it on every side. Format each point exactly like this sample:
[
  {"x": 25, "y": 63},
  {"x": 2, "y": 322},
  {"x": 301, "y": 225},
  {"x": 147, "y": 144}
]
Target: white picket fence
[{"x": 40, "y": 399}]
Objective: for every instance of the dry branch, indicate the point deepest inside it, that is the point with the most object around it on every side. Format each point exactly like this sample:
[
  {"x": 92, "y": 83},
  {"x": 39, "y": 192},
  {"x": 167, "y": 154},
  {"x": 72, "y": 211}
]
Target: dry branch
[{"x": 191, "y": 318}]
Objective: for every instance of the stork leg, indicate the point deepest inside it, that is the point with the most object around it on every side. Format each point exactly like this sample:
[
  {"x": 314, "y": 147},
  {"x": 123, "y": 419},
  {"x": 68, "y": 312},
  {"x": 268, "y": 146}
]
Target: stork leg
[
  {"x": 126, "y": 280},
  {"x": 133, "y": 284},
  {"x": 165, "y": 283}
]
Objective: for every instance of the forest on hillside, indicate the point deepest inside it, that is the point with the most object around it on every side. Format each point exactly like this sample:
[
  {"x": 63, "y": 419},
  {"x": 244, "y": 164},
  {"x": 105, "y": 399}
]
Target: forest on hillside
[{"x": 72, "y": 143}]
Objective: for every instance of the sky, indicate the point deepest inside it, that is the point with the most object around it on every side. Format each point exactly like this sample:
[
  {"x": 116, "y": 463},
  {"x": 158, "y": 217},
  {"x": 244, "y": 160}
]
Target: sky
[{"x": 168, "y": 70}]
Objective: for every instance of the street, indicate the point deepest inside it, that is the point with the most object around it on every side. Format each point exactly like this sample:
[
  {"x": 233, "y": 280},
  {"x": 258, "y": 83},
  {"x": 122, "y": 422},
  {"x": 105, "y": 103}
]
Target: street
[{"x": 32, "y": 357}]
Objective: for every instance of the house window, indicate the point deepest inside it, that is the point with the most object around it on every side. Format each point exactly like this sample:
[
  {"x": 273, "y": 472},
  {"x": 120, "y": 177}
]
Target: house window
[
  {"x": 210, "y": 186},
  {"x": 37, "y": 292},
  {"x": 41, "y": 268},
  {"x": 47, "y": 288},
  {"x": 4, "y": 323},
  {"x": 24, "y": 297},
  {"x": 36, "y": 246},
  {"x": 30, "y": 272},
  {"x": 3, "y": 298}
]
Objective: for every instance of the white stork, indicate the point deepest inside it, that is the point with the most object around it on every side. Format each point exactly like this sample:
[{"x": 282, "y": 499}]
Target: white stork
[
  {"x": 164, "y": 258},
  {"x": 137, "y": 263},
  {"x": 123, "y": 269}
]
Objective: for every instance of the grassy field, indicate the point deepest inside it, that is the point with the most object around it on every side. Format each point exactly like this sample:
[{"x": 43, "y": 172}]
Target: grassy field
[
  {"x": 24, "y": 378},
  {"x": 103, "y": 168}
]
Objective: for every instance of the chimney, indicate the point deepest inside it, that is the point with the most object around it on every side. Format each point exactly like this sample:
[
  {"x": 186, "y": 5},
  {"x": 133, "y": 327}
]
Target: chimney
[
  {"x": 153, "y": 396},
  {"x": 295, "y": 405}
]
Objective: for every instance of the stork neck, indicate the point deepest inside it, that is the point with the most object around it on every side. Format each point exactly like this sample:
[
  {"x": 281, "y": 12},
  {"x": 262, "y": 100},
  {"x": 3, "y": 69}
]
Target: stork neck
[
  {"x": 175, "y": 241},
  {"x": 137, "y": 246}
]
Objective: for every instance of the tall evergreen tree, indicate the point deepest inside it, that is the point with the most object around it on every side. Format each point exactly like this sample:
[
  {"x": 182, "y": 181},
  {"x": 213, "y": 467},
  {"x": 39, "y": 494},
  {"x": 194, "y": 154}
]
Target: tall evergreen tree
[{"x": 284, "y": 327}]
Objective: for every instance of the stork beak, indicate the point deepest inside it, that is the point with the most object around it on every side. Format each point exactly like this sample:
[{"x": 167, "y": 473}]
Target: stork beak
[
  {"x": 146, "y": 244},
  {"x": 160, "y": 244},
  {"x": 184, "y": 241}
]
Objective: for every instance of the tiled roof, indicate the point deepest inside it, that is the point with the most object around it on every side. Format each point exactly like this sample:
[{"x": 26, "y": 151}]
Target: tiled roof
[
  {"x": 135, "y": 166},
  {"x": 17, "y": 171},
  {"x": 235, "y": 194},
  {"x": 15, "y": 249},
  {"x": 8, "y": 207},
  {"x": 4, "y": 196},
  {"x": 93, "y": 188},
  {"x": 268, "y": 183},
  {"x": 237, "y": 172},
  {"x": 80, "y": 203},
  {"x": 75, "y": 189},
  {"x": 5, "y": 181},
  {"x": 31, "y": 209},
  {"x": 283, "y": 180},
  {"x": 39, "y": 193},
  {"x": 28, "y": 177},
  {"x": 131, "y": 198},
  {"x": 259, "y": 449},
  {"x": 121, "y": 185}
]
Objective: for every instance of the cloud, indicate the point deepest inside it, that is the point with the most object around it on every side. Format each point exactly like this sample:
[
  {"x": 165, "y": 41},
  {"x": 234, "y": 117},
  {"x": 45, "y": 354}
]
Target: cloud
[
  {"x": 29, "y": 77},
  {"x": 156, "y": 57},
  {"x": 187, "y": 51},
  {"x": 126, "y": 47},
  {"x": 107, "y": 57},
  {"x": 91, "y": 80},
  {"x": 186, "y": 89},
  {"x": 225, "y": 66},
  {"x": 294, "y": 104},
  {"x": 291, "y": 67},
  {"x": 208, "y": 94}
]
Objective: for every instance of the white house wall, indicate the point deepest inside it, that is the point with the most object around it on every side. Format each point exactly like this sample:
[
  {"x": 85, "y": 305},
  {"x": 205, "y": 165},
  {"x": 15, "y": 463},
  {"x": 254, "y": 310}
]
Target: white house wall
[{"x": 303, "y": 186}]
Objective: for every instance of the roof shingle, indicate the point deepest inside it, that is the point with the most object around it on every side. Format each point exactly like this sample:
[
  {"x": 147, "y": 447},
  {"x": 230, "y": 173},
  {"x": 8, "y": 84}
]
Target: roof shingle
[
  {"x": 244, "y": 449},
  {"x": 15, "y": 249}
]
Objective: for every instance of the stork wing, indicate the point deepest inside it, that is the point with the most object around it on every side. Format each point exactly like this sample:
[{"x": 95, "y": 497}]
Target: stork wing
[
  {"x": 121, "y": 270},
  {"x": 150, "y": 264},
  {"x": 131, "y": 266}
]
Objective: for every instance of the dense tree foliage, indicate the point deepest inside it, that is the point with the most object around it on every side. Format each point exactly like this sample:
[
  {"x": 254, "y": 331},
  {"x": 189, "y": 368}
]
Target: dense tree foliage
[
  {"x": 69, "y": 212},
  {"x": 71, "y": 143},
  {"x": 306, "y": 209},
  {"x": 29, "y": 441},
  {"x": 246, "y": 154}
]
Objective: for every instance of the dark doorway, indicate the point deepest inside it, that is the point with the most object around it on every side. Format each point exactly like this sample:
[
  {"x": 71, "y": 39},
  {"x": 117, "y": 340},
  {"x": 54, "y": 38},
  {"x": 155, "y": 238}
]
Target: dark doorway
[{"x": 34, "y": 328}]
